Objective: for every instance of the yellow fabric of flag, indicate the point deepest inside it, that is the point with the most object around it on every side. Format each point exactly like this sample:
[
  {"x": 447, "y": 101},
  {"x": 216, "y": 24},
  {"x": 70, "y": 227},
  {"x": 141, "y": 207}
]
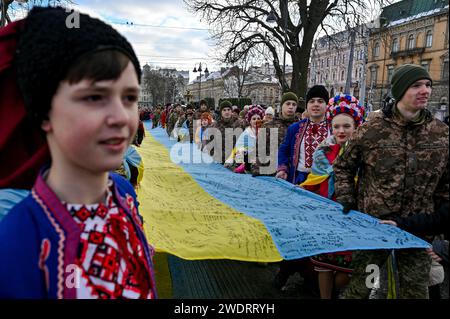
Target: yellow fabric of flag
[{"x": 182, "y": 219}]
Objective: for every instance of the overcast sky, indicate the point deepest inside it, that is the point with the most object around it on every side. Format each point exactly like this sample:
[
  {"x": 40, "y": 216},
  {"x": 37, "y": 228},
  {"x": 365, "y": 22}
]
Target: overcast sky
[{"x": 164, "y": 33}]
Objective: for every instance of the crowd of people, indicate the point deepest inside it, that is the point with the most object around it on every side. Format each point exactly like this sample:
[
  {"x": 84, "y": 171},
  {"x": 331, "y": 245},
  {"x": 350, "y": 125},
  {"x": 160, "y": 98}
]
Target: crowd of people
[
  {"x": 75, "y": 217},
  {"x": 392, "y": 165}
]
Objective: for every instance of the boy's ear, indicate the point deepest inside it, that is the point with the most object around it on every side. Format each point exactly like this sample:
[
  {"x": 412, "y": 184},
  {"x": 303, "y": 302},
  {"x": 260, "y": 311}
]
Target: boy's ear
[{"x": 46, "y": 126}]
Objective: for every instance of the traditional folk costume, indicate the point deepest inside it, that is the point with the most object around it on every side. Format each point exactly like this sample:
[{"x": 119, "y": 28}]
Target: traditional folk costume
[
  {"x": 321, "y": 179},
  {"x": 243, "y": 154},
  {"x": 295, "y": 155},
  {"x": 51, "y": 249},
  {"x": 76, "y": 251}
]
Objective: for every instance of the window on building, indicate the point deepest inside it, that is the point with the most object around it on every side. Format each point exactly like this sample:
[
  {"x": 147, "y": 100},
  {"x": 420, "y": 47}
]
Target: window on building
[
  {"x": 356, "y": 73},
  {"x": 376, "y": 49},
  {"x": 410, "y": 43},
  {"x": 445, "y": 70},
  {"x": 426, "y": 65},
  {"x": 429, "y": 39},
  {"x": 395, "y": 45},
  {"x": 373, "y": 75},
  {"x": 335, "y": 60},
  {"x": 334, "y": 76},
  {"x": 328, "y": 62},
  {"x": 321, "y": 63},
  {"x": 390, "y": 69},
  {"x": 343, "y": 57},
  {"x": 342, "y": 75}
]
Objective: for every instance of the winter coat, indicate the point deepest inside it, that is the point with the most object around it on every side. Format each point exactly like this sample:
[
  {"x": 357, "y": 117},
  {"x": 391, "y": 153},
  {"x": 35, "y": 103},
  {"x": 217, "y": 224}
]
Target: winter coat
[
  {"x": 225, "y": 127},
  {"x": 403, "y": 166},
  {"x": 268, "y": 166}
]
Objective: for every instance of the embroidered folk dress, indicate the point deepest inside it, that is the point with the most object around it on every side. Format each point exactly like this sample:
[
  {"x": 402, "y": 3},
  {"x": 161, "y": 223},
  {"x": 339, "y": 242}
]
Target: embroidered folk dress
[{"x": 321, "y": 181}]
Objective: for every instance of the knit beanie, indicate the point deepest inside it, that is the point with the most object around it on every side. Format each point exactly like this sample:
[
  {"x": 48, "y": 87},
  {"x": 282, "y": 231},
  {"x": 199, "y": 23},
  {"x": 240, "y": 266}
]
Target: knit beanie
[
  {"x": 404, "y": 77},
  {"x": 317, "y": 91},
  {"x": 289, "y": 96},
  {"x": 225, "y": 104},
  {"x": 48, "y": 48}
]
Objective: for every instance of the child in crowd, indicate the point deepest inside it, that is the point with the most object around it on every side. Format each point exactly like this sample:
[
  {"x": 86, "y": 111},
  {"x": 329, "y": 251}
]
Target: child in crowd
[{"x": 78, "y": 234}]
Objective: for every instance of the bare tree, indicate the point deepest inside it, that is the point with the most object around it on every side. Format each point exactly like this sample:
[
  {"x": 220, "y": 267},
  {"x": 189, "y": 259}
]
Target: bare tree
[
  {"x": 9, "y": 7},
  {"x": 240, "y": 27}
]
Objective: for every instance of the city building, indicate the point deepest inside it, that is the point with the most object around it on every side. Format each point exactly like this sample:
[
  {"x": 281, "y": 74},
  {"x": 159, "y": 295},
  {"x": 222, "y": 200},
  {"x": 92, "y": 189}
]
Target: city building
[
  {"x": 330, "y": 61},
  {"x": 410, "y": 31}
]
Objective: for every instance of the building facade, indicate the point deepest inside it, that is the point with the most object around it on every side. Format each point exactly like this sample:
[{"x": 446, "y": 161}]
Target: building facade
[
  {"x": 330, "y": 59},
  {"x": 410, "y": 31},
  {"x": 259, "y": 83}
]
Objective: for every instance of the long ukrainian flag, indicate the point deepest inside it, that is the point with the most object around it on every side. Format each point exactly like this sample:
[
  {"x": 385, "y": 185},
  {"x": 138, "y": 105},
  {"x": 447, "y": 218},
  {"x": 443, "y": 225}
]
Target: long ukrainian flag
[{"x": 196, "y": 209}]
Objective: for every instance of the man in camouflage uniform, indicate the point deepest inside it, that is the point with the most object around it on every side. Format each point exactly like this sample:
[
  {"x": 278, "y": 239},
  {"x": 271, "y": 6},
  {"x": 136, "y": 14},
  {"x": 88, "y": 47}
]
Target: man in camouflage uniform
[
  {"x": 401, "y": 158},
  {"x": 174, "y": 115},
  {"x": 189, "y": 123},
  {"x": 266, "y": 159},
  {"x": 228, "y": 131}
]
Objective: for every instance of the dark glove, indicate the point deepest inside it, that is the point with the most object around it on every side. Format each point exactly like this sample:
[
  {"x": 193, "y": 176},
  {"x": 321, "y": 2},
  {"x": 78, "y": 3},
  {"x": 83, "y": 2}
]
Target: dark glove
[{"x": 347, "y": 207}]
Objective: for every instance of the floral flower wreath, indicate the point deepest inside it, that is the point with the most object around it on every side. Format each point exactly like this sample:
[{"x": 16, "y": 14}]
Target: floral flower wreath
[
  {"x": 346, "y": 104},
  {"x": 255, "y": 109}
]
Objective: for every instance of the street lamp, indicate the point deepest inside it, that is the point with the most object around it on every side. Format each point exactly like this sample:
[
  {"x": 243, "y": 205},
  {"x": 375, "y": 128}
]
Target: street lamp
[
  {"x": 272, "y": 19},
  {"x": 199, "y": 69}
]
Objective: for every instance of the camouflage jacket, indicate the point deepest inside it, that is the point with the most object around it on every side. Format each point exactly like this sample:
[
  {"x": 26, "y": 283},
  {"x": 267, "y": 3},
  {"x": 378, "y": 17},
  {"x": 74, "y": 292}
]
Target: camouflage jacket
[
  {"x": 402, "y": 167},
  {"x": 281, "y": 125},
  {"x": 229, "y": 132},
  {"x": 173, "y": 118}
]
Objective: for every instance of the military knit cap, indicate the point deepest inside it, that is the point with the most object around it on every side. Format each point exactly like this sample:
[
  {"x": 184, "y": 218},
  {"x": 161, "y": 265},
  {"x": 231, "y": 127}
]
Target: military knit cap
[
  {"x": 289, "y": 96},
  {"x": 404, "y": 77},
  {"x": 225, "y": 104},
  {"x": 317, "y": 91},
  {"x": 48, "y": 48}
]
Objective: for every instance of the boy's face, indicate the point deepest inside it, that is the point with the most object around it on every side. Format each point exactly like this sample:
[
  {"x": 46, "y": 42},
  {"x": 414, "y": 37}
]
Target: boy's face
[{"x": 91, "y": 125}]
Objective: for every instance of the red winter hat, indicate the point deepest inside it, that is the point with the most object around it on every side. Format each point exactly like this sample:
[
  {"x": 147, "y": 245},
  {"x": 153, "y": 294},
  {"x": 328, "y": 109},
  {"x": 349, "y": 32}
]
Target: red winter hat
[{"x": 23, "y": 148}]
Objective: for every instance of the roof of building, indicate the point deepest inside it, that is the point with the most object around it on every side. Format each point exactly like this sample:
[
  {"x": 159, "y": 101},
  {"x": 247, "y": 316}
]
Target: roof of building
[{"x": 407, "y": 10}]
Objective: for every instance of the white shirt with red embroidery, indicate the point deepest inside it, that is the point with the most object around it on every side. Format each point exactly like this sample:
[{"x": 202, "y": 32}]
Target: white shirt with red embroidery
[
  {"x": 111, "y": 257},
  {"x": 315, "y": 134}
]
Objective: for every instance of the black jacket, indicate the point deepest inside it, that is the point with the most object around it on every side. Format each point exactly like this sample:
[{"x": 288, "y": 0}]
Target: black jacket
[{"x": 426, "y": 224}]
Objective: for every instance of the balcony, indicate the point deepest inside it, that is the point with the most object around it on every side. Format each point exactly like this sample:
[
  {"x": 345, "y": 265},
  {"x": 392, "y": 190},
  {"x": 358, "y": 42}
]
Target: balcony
[{"x": 408, "y": 52}]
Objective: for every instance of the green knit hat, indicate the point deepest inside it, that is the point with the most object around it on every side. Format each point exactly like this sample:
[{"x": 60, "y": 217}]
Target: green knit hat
[
  {"x": 404, "y": 77},
  {"x": 289, "y": 96},
  {"x": 225, "y": 104}
]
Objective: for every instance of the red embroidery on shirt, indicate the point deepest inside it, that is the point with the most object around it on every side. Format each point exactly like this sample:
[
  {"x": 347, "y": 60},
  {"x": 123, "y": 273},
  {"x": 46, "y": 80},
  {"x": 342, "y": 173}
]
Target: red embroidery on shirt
[{"x": 111, "y": 254}]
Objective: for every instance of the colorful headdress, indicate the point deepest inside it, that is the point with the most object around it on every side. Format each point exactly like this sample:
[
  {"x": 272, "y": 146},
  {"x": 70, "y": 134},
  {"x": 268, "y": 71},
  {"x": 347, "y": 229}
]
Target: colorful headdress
[
  {"x": 346, "y": 104},
  {"x": 255, "y": 109}
]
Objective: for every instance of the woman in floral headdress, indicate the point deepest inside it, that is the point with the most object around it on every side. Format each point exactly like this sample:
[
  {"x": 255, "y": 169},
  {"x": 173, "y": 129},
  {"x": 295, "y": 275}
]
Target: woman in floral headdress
[
  {"x": 344, "y": 115},
  {"x": 243, "y": 153}
]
